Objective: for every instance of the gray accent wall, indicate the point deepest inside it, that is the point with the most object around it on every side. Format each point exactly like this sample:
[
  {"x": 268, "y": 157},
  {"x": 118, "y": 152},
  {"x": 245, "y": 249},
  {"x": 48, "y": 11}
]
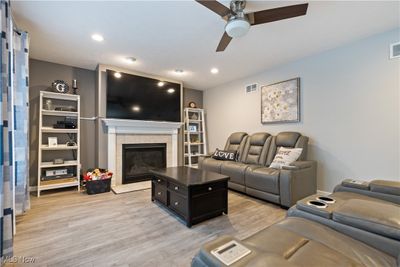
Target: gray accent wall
[
  {"x": 190, "y": 95},
  {"x": 349, "y": 109},
  {"x": 42, "y": 74}
]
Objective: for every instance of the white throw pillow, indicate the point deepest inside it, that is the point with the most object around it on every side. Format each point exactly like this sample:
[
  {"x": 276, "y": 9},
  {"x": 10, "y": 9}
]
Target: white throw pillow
[{"x": 285, "y": 156}]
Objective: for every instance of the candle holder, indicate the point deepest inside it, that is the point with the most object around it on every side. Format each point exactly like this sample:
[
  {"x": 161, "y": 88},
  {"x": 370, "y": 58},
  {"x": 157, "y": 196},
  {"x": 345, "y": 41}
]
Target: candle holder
[{"x": 75, "y": 86}]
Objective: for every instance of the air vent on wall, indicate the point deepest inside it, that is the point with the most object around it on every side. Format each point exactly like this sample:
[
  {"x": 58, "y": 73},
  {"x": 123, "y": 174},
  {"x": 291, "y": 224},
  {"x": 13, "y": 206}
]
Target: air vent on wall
[
  {"x": 395, "y": 50},
  {"x": 251, "y": 88}
]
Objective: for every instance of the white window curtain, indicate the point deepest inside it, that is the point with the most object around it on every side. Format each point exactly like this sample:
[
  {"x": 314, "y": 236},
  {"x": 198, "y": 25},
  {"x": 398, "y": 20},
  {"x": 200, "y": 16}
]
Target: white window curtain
[{"x": 14, "y": 114}]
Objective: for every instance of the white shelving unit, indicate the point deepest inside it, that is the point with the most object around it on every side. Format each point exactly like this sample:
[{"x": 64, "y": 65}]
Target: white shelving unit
[
  {"x": 195, "y": 136},
  {"x": 46, "y": 119}
]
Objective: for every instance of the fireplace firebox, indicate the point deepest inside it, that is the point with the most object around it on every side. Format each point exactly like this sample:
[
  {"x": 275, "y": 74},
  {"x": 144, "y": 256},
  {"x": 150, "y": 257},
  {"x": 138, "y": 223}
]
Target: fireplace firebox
[{"x": 139, "y": 159}]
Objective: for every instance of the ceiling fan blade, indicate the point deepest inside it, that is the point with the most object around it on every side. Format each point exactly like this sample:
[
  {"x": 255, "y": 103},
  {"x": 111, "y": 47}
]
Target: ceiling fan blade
[
  {"x": 225, "y": 40},
  {"x": 270, "y": 15},
  {"x": 216, "y": 7}
]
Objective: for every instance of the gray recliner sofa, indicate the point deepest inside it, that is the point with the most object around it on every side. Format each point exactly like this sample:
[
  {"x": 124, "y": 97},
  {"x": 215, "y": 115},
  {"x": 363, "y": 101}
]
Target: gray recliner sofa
[
  {"x": 381, "y": 189},
  {"x": 235, "y": 142},
  {"x": 251, "y": 174},
  {"x": 355, "y": 210},
  {"x": 298, "y": 242},
  {"x": 355, "y": 228}
]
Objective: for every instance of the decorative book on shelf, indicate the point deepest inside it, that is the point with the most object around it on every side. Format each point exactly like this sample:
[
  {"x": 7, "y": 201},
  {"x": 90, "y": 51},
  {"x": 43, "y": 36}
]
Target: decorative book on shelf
[
  {"x": 194, "y": 136},
  {"x": 59, "y": 141}
]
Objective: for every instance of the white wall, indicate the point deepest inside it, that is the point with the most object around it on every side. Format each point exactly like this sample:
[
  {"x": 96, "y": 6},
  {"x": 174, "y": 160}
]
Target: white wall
[{"x": 349, "y": 109}]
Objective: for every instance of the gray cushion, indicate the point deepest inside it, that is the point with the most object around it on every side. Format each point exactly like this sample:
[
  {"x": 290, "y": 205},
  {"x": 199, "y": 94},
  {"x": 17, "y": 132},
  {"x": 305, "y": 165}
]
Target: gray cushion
[
  {"x": 376, "y": 195},
  {"x": 376, "y": 217},
  {"x": 385, "y": 187},
  {"x": 236, "y": 138},
  {"x": 355, "y": 184},
  {"x": 213, "y": 165},
  {"x": 298, "y": 242},
  {"x": 258, "y": 139},
  {"x": 236, "y": 142},
  {"x": 232, "y": 147},
  {"x": 287, "y": 139},
  {"x": 236, "y": 171},
  {"x": 264, "y": 179},
  {"x": 306, "y": 243},
  {"x": 256, "y": 149}
]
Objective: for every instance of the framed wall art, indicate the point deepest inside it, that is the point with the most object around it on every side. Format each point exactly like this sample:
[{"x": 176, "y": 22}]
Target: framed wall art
[{"x": 280, "y": 102}]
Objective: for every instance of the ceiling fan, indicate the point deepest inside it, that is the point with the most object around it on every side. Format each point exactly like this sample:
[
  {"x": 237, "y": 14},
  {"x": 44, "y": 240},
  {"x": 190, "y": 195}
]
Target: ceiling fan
[{"x": 239, "y": 22}]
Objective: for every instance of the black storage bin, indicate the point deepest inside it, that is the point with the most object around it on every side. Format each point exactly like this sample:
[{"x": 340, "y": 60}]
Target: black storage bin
[{"x": 98, "y": 186}]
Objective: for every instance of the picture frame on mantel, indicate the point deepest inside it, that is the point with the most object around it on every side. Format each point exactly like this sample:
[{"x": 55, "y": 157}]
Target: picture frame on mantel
[{"x": 280, "y": 102}]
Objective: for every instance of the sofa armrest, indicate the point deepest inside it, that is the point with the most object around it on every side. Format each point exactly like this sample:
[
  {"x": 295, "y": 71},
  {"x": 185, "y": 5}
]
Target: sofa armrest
[
  {"x": 202, "y": 158},
  {"x": 299, "y": 165},
  {"x": 297, "y": 182},
  {"x": 385, "y": 187}
]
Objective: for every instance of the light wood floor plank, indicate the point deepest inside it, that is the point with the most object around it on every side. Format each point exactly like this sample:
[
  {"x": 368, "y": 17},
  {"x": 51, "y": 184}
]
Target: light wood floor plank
[{"x": 74, "y": 229}]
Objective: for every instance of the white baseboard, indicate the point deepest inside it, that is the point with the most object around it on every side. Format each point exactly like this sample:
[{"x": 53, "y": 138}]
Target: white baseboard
[{"x": 324, "y": 193}]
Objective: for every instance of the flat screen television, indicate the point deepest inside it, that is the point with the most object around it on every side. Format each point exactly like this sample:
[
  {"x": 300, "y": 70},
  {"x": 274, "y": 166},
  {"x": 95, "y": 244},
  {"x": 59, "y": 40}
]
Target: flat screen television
[{"x": 141, "y": 98}]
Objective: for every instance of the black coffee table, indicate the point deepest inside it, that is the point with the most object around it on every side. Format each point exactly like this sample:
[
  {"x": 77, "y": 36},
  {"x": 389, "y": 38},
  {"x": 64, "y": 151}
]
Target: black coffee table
[{"x": 192, "y": 194}]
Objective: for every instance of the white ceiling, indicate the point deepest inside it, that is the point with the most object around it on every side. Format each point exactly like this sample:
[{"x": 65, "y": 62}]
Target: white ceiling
[{"x": 166, "y": 35}]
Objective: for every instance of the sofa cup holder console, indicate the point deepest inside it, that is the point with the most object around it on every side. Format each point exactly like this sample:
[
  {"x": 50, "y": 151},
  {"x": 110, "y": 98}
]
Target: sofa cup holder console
[
  {"x": 317, "y": 204},
  {"x": 326, "y": 200},
  {"x": 322, "y": 206}
]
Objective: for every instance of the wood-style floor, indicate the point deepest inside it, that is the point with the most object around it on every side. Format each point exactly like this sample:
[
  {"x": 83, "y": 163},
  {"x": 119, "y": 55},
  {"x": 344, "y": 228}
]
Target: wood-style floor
[{"x": 74, "y": 229}]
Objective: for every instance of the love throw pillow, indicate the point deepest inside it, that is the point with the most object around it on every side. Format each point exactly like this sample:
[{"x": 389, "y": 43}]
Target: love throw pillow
[
  {"x": 224, "y": 155},
  {"x": 285, "y": 156}
]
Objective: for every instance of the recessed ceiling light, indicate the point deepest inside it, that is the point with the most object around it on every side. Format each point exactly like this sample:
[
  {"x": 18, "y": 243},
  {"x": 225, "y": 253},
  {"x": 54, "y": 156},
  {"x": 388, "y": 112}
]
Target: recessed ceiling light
[
  {"x": 117, "y": 75},
  {"x": 130, "y": 60},
  {"x": 136, "y": 108},
  {"x": 179, "y": 71},
  {"x": 97, "y": 37},
  {"x": 214, "y": 70},
  {"x": 160, "y": 84},
  {"x": 171, "y": 90}
]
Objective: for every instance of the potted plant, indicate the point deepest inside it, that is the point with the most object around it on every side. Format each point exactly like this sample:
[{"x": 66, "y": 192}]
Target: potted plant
[{"x": 97, "y": 181}]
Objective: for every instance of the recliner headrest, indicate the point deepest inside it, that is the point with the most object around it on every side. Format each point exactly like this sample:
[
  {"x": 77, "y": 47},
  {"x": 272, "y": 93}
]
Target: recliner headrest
[
  {"x": 287, "y": 139},
  {"x": 236, "y": 138},
  {"x": 258, "y": 139}
]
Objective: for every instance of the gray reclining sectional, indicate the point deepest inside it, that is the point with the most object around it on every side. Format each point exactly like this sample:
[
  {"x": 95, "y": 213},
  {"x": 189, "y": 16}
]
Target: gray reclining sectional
[
  {"x": 298, "y": 242},
  {"x": 382, "y": 189},
  {"x": 356, "y": 229},
  {"x": 251, "y": 174},
  {"x": 370, "y": 218}
]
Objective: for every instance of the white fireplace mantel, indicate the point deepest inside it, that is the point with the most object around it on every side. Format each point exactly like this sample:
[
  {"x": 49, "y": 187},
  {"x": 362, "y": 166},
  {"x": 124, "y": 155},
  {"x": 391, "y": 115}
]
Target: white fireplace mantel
[
  {"x": 141, "y": 127},
  {"x": 121, "y": 126}
]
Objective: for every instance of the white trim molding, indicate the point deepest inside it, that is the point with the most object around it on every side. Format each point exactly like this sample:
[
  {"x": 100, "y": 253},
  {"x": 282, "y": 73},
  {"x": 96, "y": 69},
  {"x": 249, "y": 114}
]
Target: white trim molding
[
  {"x": 142, "y": 127},
  {"x": 136, "y": 127}
]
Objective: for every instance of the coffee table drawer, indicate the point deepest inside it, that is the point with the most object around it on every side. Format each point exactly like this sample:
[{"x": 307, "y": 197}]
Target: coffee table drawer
[
  {"x": 159, "y": 181},
  {"x": 177, "y": 188},
  {"x": 160, "y": 193},
  {"x": 178, "y": 203},
  {"x": 204, "y": 204},
  {"x": 208, "y": 188}
]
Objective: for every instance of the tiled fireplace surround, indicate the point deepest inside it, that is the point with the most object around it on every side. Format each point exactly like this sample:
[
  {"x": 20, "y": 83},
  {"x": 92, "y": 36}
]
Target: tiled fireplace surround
[{"x": 121, "y": 132}]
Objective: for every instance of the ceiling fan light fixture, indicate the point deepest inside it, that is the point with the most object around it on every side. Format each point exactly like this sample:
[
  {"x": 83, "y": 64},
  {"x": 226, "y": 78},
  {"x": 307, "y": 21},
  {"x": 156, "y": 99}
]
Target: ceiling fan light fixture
[{"x": 237, "y": 27}]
